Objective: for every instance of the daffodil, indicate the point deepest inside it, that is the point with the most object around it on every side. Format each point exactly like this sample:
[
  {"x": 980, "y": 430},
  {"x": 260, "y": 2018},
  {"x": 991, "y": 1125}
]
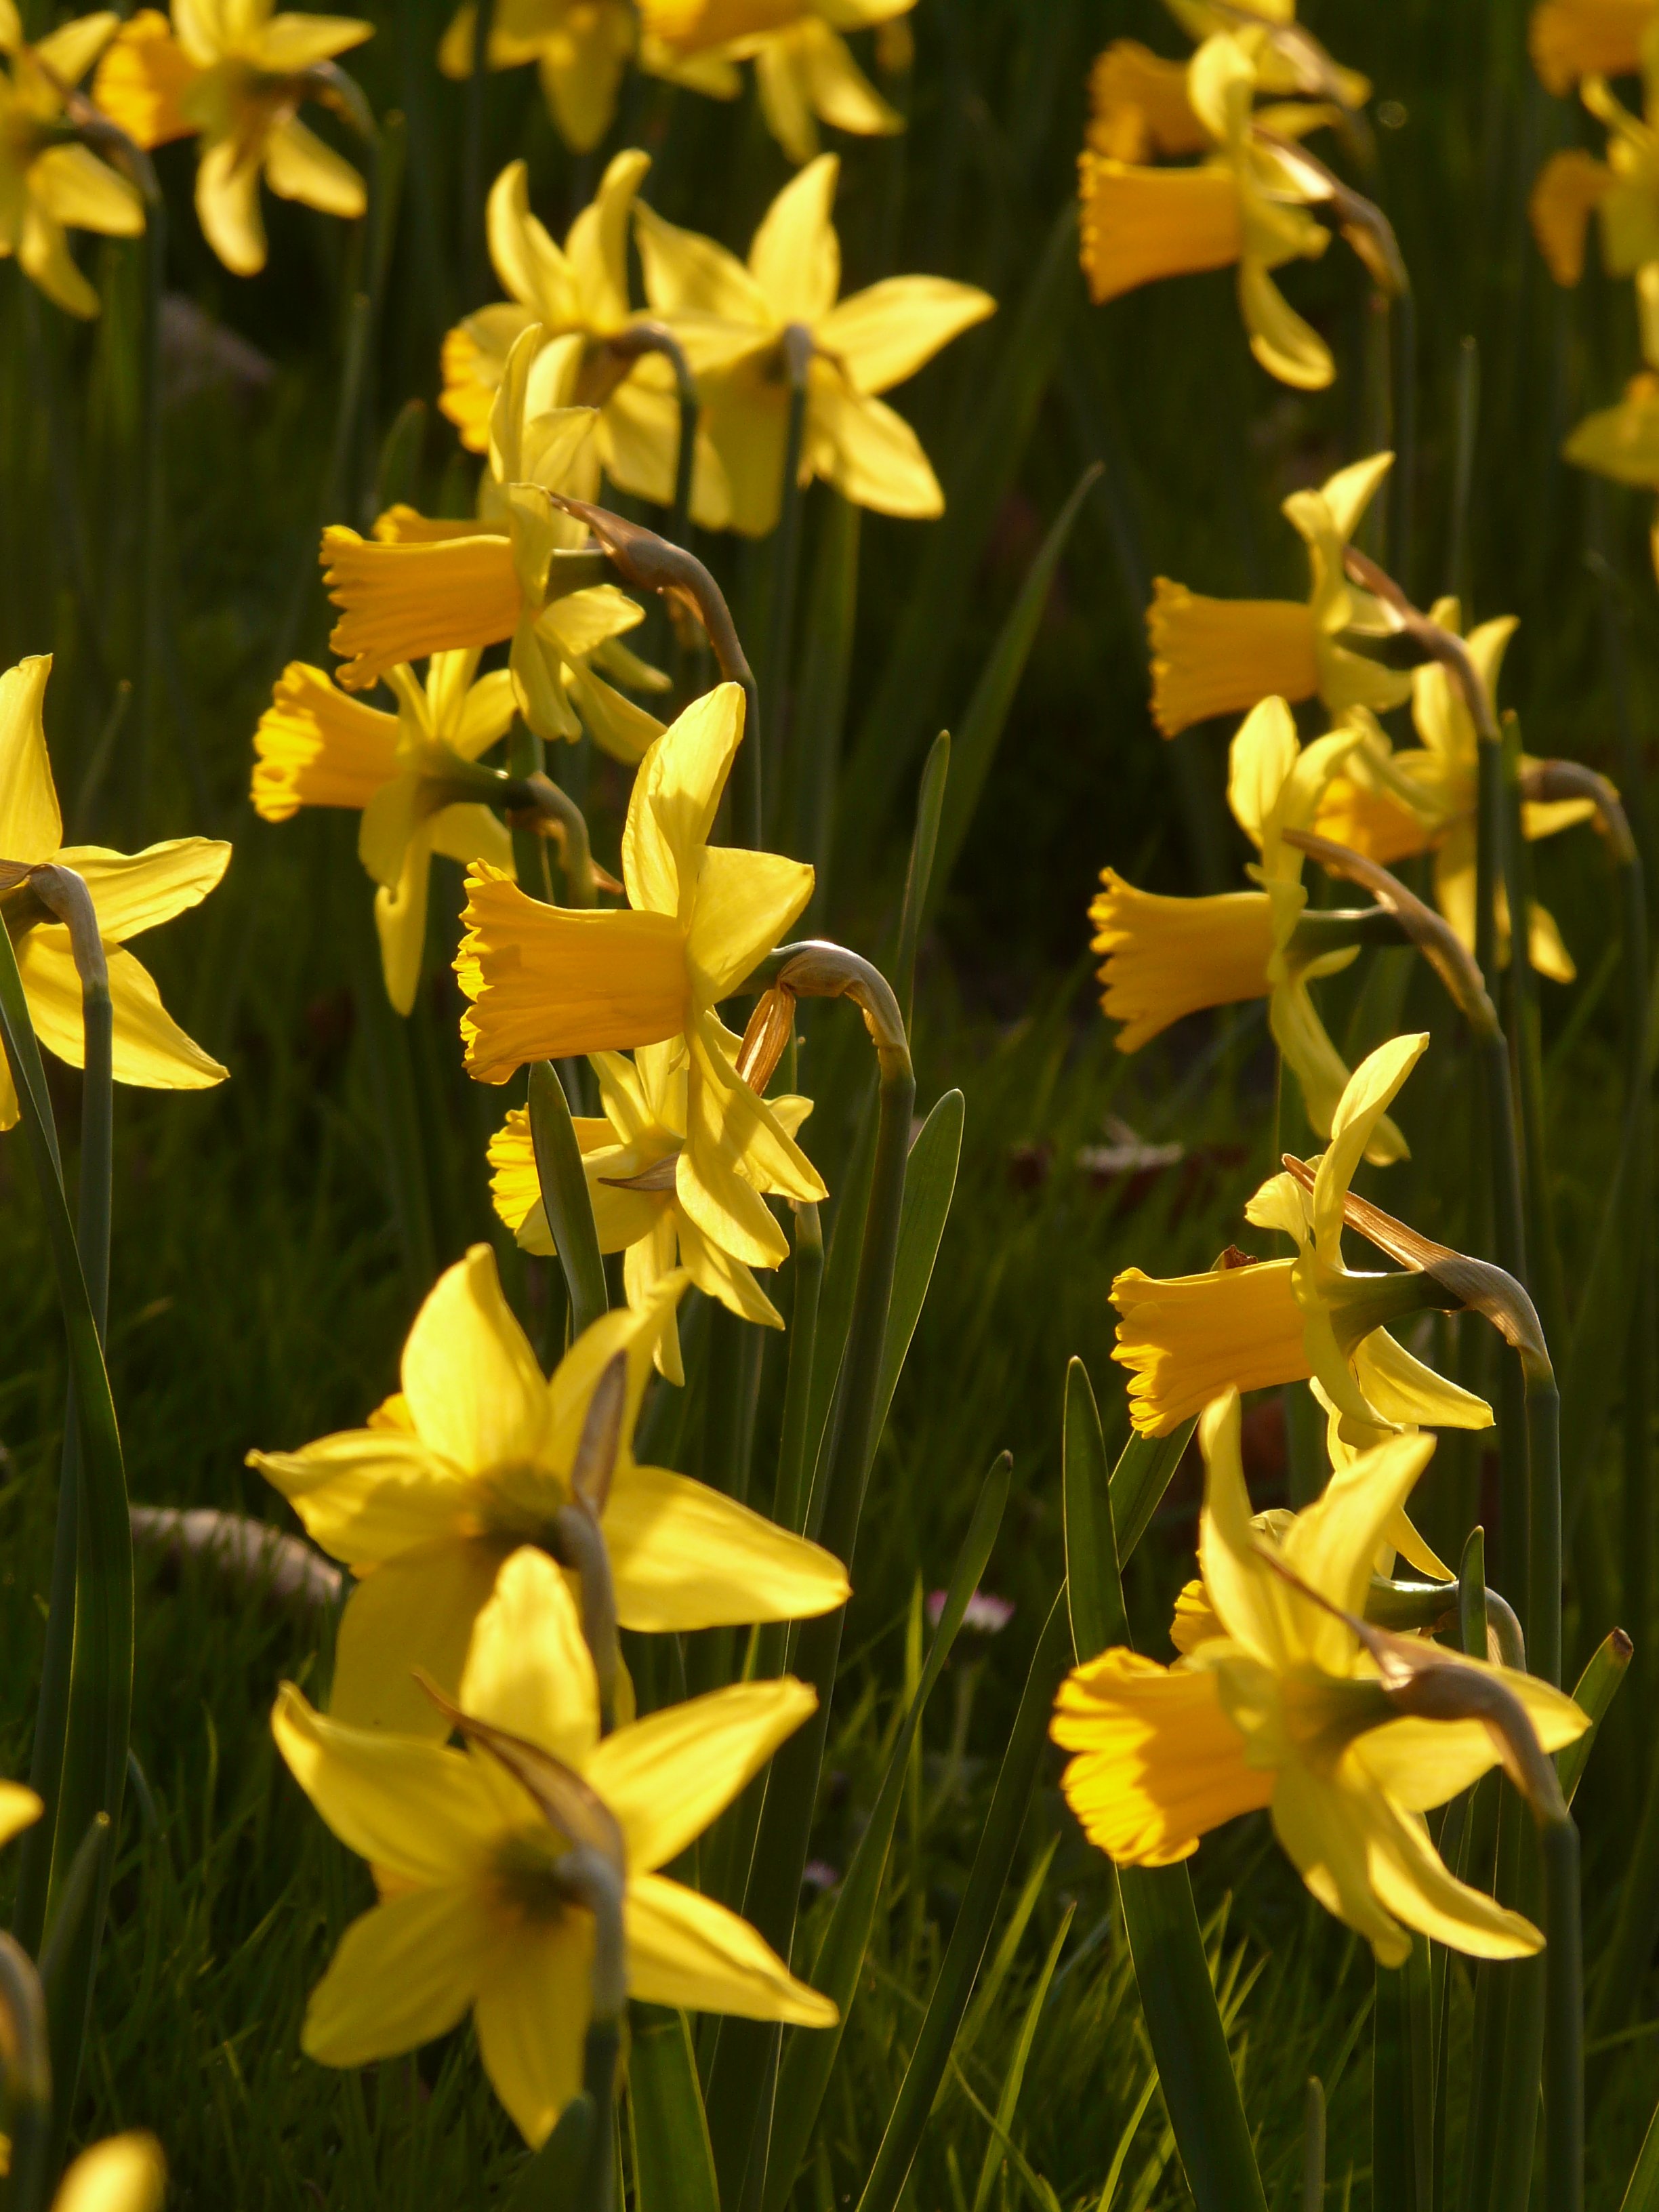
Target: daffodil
[
  {"x": 424, "y": 585},
  {"x": 579, "y": 290},
  {"x": 472, "y": 1458},
  {"x": 1623, "y": 443},
  {"x": 737, "y": 324},
  {"x": 1248, "y": 1326},
  {"x": 549, "y": 982},
  {"x": 130, "y": 893},
  {"x": 50, "y": 182},
  {"x": 1221, "y": 656},
  {"x": 233, "y": 75},
  {"x": 475, "y": 1912},
  {"x": 1166, "y": 956},
  {"x": 804, "y": 71},
  {"x": 579, "y": 47},
  {"x": 1573, "y": 39},
  {"x": 629, "y": 1157},
  {"x": 1245, "y": 207},
  {"x": 1623, "y": 191},
  {"x": 1138, "y": 105},
  {"x": 1388, "y": 804},
  {"x": 317, "y": 746},
  {"x": 1285, "y": 1710}
]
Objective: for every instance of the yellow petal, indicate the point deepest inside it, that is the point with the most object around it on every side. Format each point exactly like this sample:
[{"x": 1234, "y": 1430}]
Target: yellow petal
[
  {"x": 474, "y": 1387},
  {"x": 871, "y": 454},
  {"x": 548, "y": 983},
  {"x": 1220, "y": 656},
  {"x": 836, "y": 88},
  {"x": 300, "y": 166},
  {"x": 743, "y": 907},
  {"x": 1411, "y": 1880},
  {"x": 227, "y": 204},
  {"x": 141, "y": 78},
  {"x": 31, "y": 827},
  {"x": 1158, "y": 1762},
  {"x": 417, "y": 1609},
  {"x": 795, "y": 257},
  {"x": 1544, "y": 948},
  {"x": 1324, "y": 1830},
  {"x": 1258, "y": 1610},
  {"x": 133, "y": 892},
  {"x": 785, "y": 97},
  {"x": 1286, "y": 347},
  {"x": 883, "y": 335},
  {"x": 122, "y": 2173},
  {"x": 718, "y": 1275},
  {"x": 471, "y": 832},
  {"x": 530, "y": 2013},
  {"x": 1570, "y": 38},
  {"x": 629, "y": 1330},
  {"x": 686, "y": 1556},
  {"x": 683, "y": 1949},
  {"x": 419, "y": 1810},
  {"x": 598, "y": 244},
  {"x": 615, "y": 724},
  {"x": 1621, "y": 442},
  {"x": 1259, "y": 762},
  {"x": 1567, "y": 187},
  {"x": 671, "y": 1775},
  {"x": 366, "y": 1494},
  {"x": 70, "y": 51},
  {"x": 402, "y": 602},
  {"x": 1188, "y": 1339},
  {"x": 404, "y": 1973},
  {"x": 1140, "y": 225},
  {"x": 1168, "y": 957},
  {"x": 1139, "y": 104},
  {"x": 1333, "y": 1543},
  {"x": 150, "y": 1049},
  {"x": 77, "y": 189},
  {"x": 20, "y": 1808},
  {"x": 580, "y": 74},
  {"x": 673, "y": 804},
  {"x": 286, "y": 44},
  {"x": 1401, "y": 1389},
  {"x": 528, "y": 1671},
  {"x": 685, "y": 271},
  {"x": 1371, "y": 1091},
  {"x": 44, "y": 256},
  {"x": 400, "y": 918}
]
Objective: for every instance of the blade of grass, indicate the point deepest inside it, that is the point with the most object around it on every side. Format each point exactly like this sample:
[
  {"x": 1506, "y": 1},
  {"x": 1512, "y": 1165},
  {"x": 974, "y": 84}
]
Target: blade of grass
[
  {"x": 673, "y": 2164},
  {"x": 1014, "y": 2080}
]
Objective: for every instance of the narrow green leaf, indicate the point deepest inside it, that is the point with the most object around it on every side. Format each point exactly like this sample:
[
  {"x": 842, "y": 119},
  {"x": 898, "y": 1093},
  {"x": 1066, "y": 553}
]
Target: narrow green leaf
[
  {"x": 919, "y": 879},
  {"x": 988, "y": 1987},
  {"x": 673, "y": 2164},
  {"x": 953, "y": 1985},
  {"x": 1177, "y": 1997},
  {"x": 809, "y": 2057},
  {"x": 814, "y": 756},
  {"x": 981, "y": 726},
  {"x": 930, "y": 1182},
  {"x": 565, "y": 1197},
  {"x": 1643, "y": 2194},
  {"x": 552, "y": 2180},
  {"x": 1596, "y": 1688},
  {"x": 1014, "y": 2080}
]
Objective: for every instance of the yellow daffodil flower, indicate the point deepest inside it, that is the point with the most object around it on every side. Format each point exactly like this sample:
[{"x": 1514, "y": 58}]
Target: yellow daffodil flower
[
  {"x": 232, "y": 74},
  {"x": 629, "y": 1155},
  {"x": 1221, "y": 656},
  {"x": 474, "y": 1915},
  {"x": 1622, "y": 442},
  {"x": 549, "y": 982},
  {"x": 580, "y": 290},
  {"x": 579, "y": 47},
  {"x": 1138, "y": 105},
  {"x": 423, "y": 586},
  {"x": 1245, "y": 207},
  {"x": 1280, "y": 67},
  {"x": 1388, "y": 804},
  {"x": 130, "y": 893},
  {"x": 1249, "y": 1326},
  {"x": 472, "y": 1458},
  {"x": 1623, "y": 191},
  {"x": 1166, "y": 956},
  {"x": 1572, "y": 39},
  {"x": 1284, "y": 1710},
  {"x": 317, "y": 746},
  {"x": 735, "y": 323},
  {"x": 804, "y": 71},
  {"x": 50, "y": 182}
]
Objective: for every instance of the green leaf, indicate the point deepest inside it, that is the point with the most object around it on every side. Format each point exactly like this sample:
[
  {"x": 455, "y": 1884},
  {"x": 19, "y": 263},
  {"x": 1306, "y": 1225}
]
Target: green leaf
[
  {"x": 953, "y": 1985},
  {"x": 981, "y": 726},
  {"x": 1596, "y": 1688},
  {"x": 552, "y": 2180},
  {"x": 809, "y": 2056},
  {"x": 565, "y": 1196},
  {"x": 673, "y": 2164},
  {"x": 1643, "y": 2194},
  {"x": 1177, "y": 1997},
  {"x": 919, "y": 877},
  {"x": 930, "y": 1182},
  {"x": 1014, "y": 2079}
]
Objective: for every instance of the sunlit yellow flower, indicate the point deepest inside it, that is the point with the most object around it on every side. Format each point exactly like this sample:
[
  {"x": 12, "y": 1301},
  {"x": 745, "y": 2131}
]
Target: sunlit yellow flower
[
  {"x": 1571, "y": 39},
  {"x": 122, "y": 2173},
  {"x": 1246, "y": 206},
  {"x": 549, "y": 982},
  {"x": 579, "y": 290},
  {"x": 579, "y": 47},
  {"x": 1284, "y": 1710},
  {"x": 232, "y": 74},
  {"x": 1624, "y": 192},
  {"x": 472, "y": 1458},
  {"x": 1221, "y": 656},
  {"x": 804, "y": 71},
  {"x": 1169, "y": 957},
  {"x": 130, "y": 893},
  {"x": 50, "y": 182},
  {"x": 423, "y": 586},
  {"x": 1244, "y": 1328},
  {"x": 630, "y": 1154},
  {"x": 1388, "y": 805},
  {"x": 1138, "y": 105},
  {"x": 474, "y": 1914},
  {"x": 1279, "y": 68},
  {"x": 1623, "y": 443},
  {"x": 317, "y": 746},
  {"x": 734, "y": 323}
]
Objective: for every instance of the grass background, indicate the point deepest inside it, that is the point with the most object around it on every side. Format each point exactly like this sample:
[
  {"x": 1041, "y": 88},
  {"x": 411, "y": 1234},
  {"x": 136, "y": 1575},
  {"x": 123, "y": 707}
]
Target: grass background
[{"x": 263, "y": 1271}]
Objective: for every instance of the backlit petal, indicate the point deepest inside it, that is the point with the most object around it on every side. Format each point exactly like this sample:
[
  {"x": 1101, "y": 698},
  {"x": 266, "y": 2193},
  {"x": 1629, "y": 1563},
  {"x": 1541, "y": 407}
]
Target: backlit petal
[
  {"x": 668, "y": 1777},
  {"x": 528, "y": 1671},
  {"x": 405, "y": 1972},
  {"x": 133, "y": 892},
  {"x": 1371, "y": 1091},
  {"x": 300, "y": 166},
  {"x": 795, "y": 257},
  {"x": 674, "y": 801},
  {"x": 532, "y": 2014},
  {"x": 885, "y": 334},
  {"x": 870, "y": 454},
  {"x": 1324, "y": 1829},
  {"x": 228, "y": 206},
  {"x": 1401, "y": 1389},
  {"x": 683, "y": 1949},
  {"x": 122, "y": 2173},
  {"x": 31, "y": 827},
  {"x": 744, "y": 904},
  {"x": 417, "y": 1609},
  {"x": 474, "y": 1387},
  {"x": 1254, "y": 1607},
  {"x": 366, "y": 1494},
  {"x": 686, "y": 1556},
  {"x": 1410, "y": 1879}
]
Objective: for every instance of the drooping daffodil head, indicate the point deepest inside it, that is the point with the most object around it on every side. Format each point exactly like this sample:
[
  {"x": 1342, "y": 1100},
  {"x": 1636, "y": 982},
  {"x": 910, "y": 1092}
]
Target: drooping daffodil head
[
  {"x": 580, "y": 48},
  {"x": 474, "y": 1456},
  {"x": 1283, "y": 1707},
  {"x": 50, "y": 183},
  {"x": 479, "y": 1908}
]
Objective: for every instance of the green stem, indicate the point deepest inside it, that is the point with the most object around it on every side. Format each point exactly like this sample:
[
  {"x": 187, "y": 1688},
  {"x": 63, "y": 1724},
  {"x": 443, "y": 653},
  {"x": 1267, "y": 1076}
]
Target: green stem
[
  {"x": 1564, "y": 2019},
  {"x": 25, "y": 2060},
  {"x": 797, "y": 346},
  {"x": 1546, "y": 1287},
  {"x": 473, "y": 254},
  {"x": 789, "y": 1502},
  {"x": 1638, "y": 1562},
  {"x": 1313, "y": 2147},
  {"x": 1543, "y": 1621},
  {"x": 565, "y": 1197},
  {"x": 1488, "y": 860},
  {"x": 527, "y": 755},
  {"x": 150, "y": 497}
]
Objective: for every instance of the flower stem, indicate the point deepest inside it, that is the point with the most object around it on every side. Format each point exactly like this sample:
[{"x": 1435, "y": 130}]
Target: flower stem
[
  {"x": 786, "y": 562},
  {"x": 1564, "y": 2020},
  {"x": 472, "y": 165},
  {"x": 27, "y": 2062}
]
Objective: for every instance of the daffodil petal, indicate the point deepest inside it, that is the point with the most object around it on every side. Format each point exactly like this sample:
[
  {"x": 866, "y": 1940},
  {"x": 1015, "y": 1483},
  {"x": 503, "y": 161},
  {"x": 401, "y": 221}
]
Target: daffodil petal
[
  {"x": 132, "y": 892},
  {"x": 475, "y": 1387},
  {"x": 1326, "y": 1835},
  {"x": 685, "y": 1949},
  {"x": 1401, "y": 1389},
  {"x": 1252, "y": 1605},
  {"x": 415, "y": 1609},
  {"x": 1331, "y": 1543},
  {"x": 530, "y": 2013},
  {"x": 31, "y": 827},
  {"x": 405, "y": 1972},
  {"x": 744, "y": 905},
  {"x": 1410, "y": 1879},
  {"x": 20, "y": 1808},
  {"x": 686, "y": 1556},
  {"x": 366, "y": 1494},
  {"x": 871, "y": 454},
  {"x": 227, "y": 206},
  {"x": 123, "y": 2174},
  {"x": 795, "y": 257},
  {"x": 885, "y": 334},
  {"x": 631, "y": 1331},
  {"x": 528, "y": 1671},
  {"x": 1370, "y": 1089},
  {"x": 675, "y": 797},
  {"x": 300, "y": 166},
  {"x": 672, "y": 1774}
]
